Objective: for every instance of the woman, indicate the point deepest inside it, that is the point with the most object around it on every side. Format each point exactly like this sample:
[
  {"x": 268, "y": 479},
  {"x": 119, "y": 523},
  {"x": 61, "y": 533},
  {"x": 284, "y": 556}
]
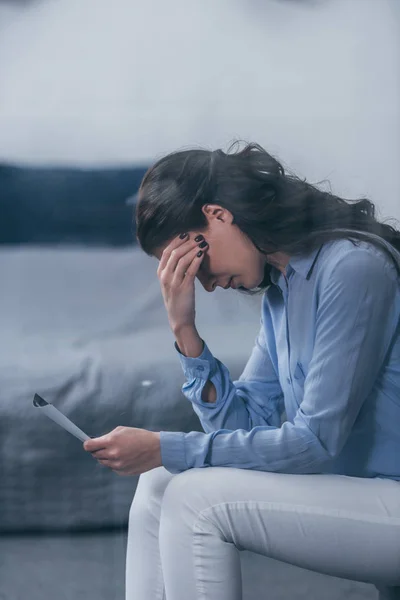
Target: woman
[{"x": 305, "y": 446}]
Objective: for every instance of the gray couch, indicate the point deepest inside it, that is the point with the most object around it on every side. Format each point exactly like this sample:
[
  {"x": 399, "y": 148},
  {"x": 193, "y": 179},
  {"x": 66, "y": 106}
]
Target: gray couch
[
  {"x": 82, "y": 322},
  {"x": 87, "y": 329}
]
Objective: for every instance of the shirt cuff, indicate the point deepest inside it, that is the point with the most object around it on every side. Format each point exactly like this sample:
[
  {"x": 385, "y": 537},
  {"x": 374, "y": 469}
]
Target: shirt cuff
[
  {"x": 173, "y": 451},
  {"x": 201, "y": 367}
]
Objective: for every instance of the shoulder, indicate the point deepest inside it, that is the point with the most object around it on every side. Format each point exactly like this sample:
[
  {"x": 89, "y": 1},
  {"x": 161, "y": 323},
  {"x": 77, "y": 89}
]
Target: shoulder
[
  {"x": 352, "y": 272},
  {"x": 349, "y": 261}
]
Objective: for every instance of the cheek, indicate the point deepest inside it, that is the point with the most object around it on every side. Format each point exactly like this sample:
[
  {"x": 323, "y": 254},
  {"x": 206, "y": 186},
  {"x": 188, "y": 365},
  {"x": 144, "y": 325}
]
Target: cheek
[
  {"x": 211, "y": 263},
  {"x": 218, "y": 260},
  {"x": 206, "y": 265}
]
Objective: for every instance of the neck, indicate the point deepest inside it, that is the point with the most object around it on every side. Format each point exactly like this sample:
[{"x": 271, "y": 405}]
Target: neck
[{"x": 279, "y": 260}]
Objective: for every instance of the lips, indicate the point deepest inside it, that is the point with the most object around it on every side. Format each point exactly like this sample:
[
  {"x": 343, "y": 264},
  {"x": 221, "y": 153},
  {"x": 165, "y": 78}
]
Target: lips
[{"x": 231, "y": 284}]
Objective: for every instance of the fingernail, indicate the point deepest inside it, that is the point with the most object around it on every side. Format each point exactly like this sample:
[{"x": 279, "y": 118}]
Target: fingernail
[
  {"x": 203, "y": 244},
  {"x": 198, "y": 238},
  {"x": 200, "y": 253},
  {"x": 183, "y": 235}
]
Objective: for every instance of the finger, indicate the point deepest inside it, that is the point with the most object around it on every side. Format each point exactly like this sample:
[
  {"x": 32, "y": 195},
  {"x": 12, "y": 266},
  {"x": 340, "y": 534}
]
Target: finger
[
  {"x": 188, "y": 267},
  {"x": 106, "y": 463},
  {"x": 177, "y": 242},
  {"x": 174, "y": 255},
  {"x": 96, "y": 443},
  {"x": 110, "y": 465},
  {"x": 103, "y": 454},
  {"x": 182, "y": 257}
]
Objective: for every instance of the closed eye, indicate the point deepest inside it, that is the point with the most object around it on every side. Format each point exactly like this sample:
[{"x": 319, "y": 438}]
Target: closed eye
[{"x": 202, "y": 267}]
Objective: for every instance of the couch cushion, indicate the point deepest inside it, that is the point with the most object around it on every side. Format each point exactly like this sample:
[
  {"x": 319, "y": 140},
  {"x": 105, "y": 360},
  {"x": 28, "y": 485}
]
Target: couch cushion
[
  {"x": 87, "y": 330},
  {"x": 66, "y": 205}
]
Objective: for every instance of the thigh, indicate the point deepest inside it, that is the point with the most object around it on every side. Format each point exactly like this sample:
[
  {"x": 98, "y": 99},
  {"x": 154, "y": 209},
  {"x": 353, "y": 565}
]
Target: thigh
[
  {"x": 342, "y": 526},
  {"x": 150, "y": 490}
]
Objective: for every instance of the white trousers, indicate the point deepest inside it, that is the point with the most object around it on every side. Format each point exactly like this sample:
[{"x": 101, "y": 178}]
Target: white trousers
[{"x": 186, "y": 531}]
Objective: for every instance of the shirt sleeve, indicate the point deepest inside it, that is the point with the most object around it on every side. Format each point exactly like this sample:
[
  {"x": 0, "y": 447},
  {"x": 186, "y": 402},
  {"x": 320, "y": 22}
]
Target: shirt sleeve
[
  {"x": 254, "y": 399},
  {"x": 356, "y": 320}
]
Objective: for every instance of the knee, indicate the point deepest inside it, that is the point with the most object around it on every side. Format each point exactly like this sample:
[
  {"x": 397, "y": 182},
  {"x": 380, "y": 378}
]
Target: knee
[
  {"x": 187, "y": 493},
  {"x": 185, "y": 504},
  {"x": 149, "y": 494}
]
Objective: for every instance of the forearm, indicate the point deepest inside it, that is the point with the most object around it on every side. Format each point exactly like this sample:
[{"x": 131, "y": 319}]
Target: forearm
[
  {"x": 237, "y": 405},
  {"x": 256, "y": 399},
  {"x": 290, "y": 449},
  {"x": 189, "y": 342},
  {"x": 230, "y": 413},
  {"x": 191, "y": 345}
]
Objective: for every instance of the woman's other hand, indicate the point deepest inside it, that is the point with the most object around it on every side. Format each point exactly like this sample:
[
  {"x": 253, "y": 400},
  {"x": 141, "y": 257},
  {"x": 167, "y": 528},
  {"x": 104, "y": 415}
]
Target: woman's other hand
[
  {"x": 127, "y": 450},
  {"x": 177, "y": 271}
]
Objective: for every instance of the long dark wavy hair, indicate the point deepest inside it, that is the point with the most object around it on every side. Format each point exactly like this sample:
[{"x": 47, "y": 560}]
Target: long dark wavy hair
[{"x": 276, "y": 210}]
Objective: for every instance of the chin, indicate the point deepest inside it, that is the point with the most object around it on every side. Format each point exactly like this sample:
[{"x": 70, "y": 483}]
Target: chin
[
  {"x": 257, "y": 281},
  {"x": 244, "y": 287},
  {"x": 265, "y": 277},
  {"x": 251, "y": 284}
]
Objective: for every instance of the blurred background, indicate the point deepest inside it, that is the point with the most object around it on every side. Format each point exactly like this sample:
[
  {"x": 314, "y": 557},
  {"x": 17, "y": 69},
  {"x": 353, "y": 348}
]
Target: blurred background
[{"x": 91, "y": 93}]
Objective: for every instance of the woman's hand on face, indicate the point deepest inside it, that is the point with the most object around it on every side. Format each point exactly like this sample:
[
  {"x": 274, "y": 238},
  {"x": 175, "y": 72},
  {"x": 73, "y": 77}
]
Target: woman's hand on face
[{"x": 177, "y": 272}]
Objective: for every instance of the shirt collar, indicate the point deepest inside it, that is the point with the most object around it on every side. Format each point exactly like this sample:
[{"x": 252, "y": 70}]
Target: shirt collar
[{"x": 302, "y": 264}]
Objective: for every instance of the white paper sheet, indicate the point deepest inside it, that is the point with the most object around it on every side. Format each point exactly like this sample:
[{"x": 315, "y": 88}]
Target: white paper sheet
[{"x": 55, "y": 415}]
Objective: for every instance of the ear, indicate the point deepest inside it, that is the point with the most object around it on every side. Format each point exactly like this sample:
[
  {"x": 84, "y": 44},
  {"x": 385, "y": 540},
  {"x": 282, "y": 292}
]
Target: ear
[{"x": 217, "y": 212}]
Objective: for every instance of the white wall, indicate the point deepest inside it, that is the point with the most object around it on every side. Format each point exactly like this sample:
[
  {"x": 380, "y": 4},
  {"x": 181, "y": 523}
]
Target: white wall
[{"x": 315, "y": 81}]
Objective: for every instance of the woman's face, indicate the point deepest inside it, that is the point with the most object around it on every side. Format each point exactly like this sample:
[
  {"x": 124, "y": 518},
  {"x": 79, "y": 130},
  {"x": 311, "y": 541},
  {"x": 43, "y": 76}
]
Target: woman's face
[{"x": 231, "y": 259}]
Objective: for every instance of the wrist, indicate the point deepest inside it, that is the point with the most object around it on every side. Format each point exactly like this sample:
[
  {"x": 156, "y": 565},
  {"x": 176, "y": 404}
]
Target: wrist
[
  {"x": 189, "y": 342},
  {"x": 178, "y": 329},
  {"x": 157, "y": 450}
]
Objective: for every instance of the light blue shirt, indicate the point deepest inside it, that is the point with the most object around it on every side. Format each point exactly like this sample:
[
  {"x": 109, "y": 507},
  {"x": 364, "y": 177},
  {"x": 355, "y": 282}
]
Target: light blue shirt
[{"x": 321, "y": 390}]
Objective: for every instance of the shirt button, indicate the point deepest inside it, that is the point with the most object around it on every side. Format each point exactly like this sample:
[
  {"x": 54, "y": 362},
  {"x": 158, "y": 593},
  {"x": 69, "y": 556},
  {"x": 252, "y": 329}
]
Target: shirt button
[
  {"x": 289, "y": 379},
  {"x": 200, "y": 368}
]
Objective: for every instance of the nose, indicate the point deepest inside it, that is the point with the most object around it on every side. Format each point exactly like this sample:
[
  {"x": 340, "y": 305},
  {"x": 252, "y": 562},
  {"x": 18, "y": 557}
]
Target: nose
[
  {"x": 210, "y": 287},
  {"x": 208, "y": 283}
]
